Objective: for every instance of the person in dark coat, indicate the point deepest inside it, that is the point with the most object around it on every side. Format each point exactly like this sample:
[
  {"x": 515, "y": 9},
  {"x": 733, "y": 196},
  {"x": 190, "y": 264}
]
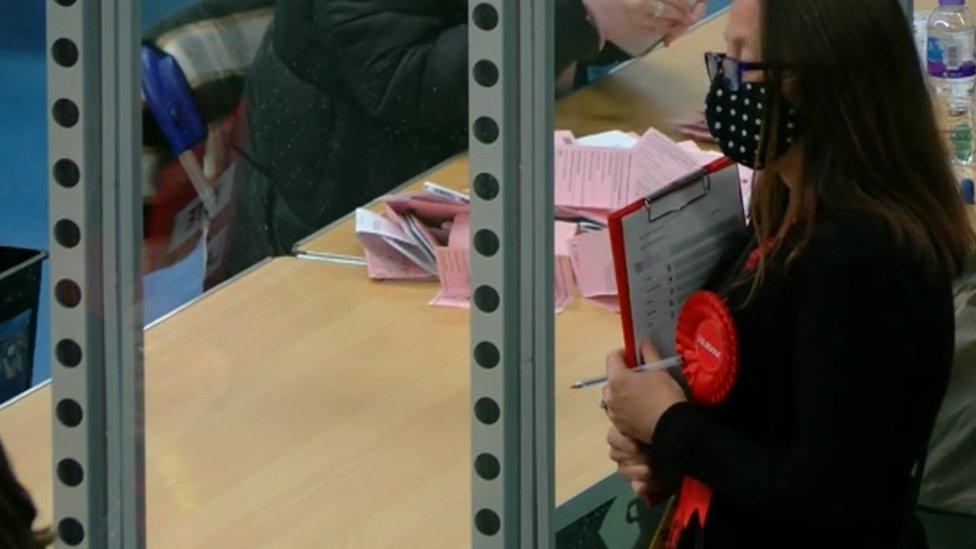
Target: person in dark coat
[
  {"x": 842, "y": 300},
  {"x": 346, "y": 100}
]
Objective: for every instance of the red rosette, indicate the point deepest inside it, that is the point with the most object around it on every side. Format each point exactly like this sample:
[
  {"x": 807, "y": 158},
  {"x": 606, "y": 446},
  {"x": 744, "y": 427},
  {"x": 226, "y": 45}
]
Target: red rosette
[{"x": 709, "y": 347}]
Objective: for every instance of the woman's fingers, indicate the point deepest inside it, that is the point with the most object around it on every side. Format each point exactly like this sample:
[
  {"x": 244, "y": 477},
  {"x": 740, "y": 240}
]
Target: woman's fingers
[
  {"x": 641, "y": 472},
  {"x": 627, "y": 458},
  {"x": 679, "y": 28},
  {"x": 617, "y": 440}
]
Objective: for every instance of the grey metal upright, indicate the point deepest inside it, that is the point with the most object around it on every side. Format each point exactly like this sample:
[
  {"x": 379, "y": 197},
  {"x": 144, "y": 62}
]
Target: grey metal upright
[
  {"x": 511, "y": 105},
  {"x": 94, "y": 137}
]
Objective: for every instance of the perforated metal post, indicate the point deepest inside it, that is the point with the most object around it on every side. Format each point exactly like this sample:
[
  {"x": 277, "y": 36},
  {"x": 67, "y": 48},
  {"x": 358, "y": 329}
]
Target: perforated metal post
[
  {"x": 511, "y": 95},
  {"x": 94, "y": 136}
]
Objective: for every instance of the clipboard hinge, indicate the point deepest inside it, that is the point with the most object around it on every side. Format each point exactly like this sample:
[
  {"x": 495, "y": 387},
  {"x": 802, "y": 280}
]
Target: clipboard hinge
[{"x": 706, "y": 183}]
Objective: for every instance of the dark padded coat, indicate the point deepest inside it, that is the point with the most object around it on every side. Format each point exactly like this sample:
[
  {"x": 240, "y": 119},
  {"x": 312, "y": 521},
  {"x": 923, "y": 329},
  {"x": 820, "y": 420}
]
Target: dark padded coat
[{"x": 349, "y": 98}]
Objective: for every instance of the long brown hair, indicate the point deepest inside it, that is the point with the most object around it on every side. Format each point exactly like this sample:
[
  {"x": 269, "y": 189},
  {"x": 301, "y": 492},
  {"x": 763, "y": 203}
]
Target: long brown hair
[
  {"x": 17, "y": 513},
  {"x": 871, "y": 143}
]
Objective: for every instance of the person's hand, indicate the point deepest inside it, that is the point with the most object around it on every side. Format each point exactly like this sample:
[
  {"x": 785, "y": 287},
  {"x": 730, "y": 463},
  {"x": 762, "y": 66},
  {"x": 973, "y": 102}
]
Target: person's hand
[
  {"x": 626, "y": 21},
  {"x": 691, "y": 17},
  {"x": 635, "y": 401},
  {"x": 632, "y": 462}
]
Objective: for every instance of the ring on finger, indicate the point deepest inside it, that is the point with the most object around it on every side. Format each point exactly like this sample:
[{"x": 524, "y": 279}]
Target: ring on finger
[{"x": 657, "y": 8}]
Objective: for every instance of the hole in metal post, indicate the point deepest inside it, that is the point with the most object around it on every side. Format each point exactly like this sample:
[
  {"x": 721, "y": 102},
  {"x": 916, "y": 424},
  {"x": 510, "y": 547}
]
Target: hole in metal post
[
  {"x": 485, "y": 73},
  {"x": 66, "y": 173},
  {"x": 64, "y": 52},
  {"x": 486, "y": 410},
  {"x": 486, "y": 242},
  {"x": 486, "y": 355},
  {"x": 485, "y": 17},
  {"x": 70, "y": 472},
  {"x": 69, "y": 413},
  {"x": 65, "y": 112},
  {"x": 68, "y": 353},
  {"x": 486, "y": 130},
  {"x": 71, "y": 531},
  {"x": 487, "y": 466},
  {"x": 487, "y": 522},
  {"x": 67, "y": 293},
  {"x": 486, "y": 299},
  {"x": 67, "y": 233},
  {"x": 486, "y": 186}
]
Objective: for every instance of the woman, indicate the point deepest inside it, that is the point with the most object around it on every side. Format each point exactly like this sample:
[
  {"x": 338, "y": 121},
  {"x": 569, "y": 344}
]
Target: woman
[
  {"x": 844, "y": 313},
  {"x": 348, "y": 99}
]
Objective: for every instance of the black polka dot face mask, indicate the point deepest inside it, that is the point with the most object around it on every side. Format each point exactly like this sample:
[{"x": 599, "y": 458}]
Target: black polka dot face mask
[{"x": 736, "y": 117}]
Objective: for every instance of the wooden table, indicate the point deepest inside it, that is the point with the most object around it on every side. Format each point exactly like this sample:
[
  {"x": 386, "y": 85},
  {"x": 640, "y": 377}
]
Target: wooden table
[{"x": 304, "y": 405}]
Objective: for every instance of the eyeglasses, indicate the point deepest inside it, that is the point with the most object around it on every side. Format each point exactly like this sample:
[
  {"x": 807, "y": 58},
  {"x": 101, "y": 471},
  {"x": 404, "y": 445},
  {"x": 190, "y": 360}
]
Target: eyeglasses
[{"x": 732, "y": 70}]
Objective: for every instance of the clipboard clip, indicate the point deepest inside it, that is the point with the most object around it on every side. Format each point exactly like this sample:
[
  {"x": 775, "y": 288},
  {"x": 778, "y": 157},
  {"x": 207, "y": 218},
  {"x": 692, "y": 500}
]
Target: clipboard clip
[{"x": 706, "y": 183}]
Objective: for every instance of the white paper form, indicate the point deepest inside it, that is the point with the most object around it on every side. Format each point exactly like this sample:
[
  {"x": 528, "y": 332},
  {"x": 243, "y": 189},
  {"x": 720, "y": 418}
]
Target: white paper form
[
  {"x": 607, "y": 178},
  {"x": 658, "y": 162},
  {"x": 615, "y": 139},
  {"x": 671, "y": 255}
]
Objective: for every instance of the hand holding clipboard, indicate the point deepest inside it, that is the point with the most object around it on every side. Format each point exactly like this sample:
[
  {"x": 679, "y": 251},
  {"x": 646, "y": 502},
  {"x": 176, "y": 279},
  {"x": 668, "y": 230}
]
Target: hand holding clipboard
[{"x": 665, "y": 248}]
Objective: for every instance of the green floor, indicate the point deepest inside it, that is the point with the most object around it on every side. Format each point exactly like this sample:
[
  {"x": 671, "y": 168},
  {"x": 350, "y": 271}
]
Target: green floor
[{"x": 622, "y": 523}]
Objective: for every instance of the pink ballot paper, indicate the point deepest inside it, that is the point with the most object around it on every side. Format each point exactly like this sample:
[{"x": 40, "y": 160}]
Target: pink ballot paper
[
  {"x": 610, "y": 177},
  {"x": 391, "y": 254},
  {"x": 592, "y": 262},
  {"x": 454, "y": 267}
]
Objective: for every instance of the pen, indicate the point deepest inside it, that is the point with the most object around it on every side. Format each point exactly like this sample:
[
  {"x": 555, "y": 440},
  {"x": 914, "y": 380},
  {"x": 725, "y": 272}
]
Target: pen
[
  {"x": 652, "y": 367},
  {"x": 444, "y": 192}
]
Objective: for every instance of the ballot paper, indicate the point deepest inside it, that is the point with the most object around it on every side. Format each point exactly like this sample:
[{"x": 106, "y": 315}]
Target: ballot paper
[
  {"x": 563, "y": 137},
  {"x": 391, "y": 253},
  {"x": 592, "y": 263},
  {"x": 608, "y": 178},
  {"x": 454, "y": 267},
  {"x": 433, "y": 209}
]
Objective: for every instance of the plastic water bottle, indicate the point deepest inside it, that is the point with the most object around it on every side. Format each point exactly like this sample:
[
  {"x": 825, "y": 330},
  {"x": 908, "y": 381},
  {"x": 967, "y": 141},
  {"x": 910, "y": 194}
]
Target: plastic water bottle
[{"x": 952, "y": 74}]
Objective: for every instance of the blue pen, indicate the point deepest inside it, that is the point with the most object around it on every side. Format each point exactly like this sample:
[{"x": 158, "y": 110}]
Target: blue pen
[
  {"x": 968, "y": 192},
  {"x": 174, "y": 107}
]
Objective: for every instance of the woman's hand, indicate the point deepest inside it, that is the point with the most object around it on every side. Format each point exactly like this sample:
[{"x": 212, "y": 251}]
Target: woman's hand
[
  {"x": 632, "y": 462},
  {"x": 690, "y": 17},
  {"x": 624, "y": 21},
  {"x": 635, "y": 401}
]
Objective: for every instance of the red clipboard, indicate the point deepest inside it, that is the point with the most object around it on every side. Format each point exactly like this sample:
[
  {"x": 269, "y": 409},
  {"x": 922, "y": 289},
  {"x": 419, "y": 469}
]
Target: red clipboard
[{"x": 643, "y": 207}]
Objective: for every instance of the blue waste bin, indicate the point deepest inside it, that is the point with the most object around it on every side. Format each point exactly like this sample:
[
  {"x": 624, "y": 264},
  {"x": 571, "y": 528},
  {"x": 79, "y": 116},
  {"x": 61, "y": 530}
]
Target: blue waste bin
[{"x": 20, "y": 291}]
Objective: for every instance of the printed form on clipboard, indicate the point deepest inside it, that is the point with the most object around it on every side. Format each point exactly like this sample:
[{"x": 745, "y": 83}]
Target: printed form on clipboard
[{"x": 668, "y": 245}]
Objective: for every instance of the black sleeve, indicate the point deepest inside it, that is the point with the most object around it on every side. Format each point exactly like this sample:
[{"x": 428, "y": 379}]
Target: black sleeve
[
  {"x": 864, "y": 392},
  {"x": 400, "y": 61}
]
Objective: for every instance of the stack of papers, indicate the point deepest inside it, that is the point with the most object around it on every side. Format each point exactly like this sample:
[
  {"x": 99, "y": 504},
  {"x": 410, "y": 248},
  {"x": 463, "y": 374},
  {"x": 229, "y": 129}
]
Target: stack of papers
[
  {"x": 618, "y": 168},
  {"x": 425, "y": 235}
]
